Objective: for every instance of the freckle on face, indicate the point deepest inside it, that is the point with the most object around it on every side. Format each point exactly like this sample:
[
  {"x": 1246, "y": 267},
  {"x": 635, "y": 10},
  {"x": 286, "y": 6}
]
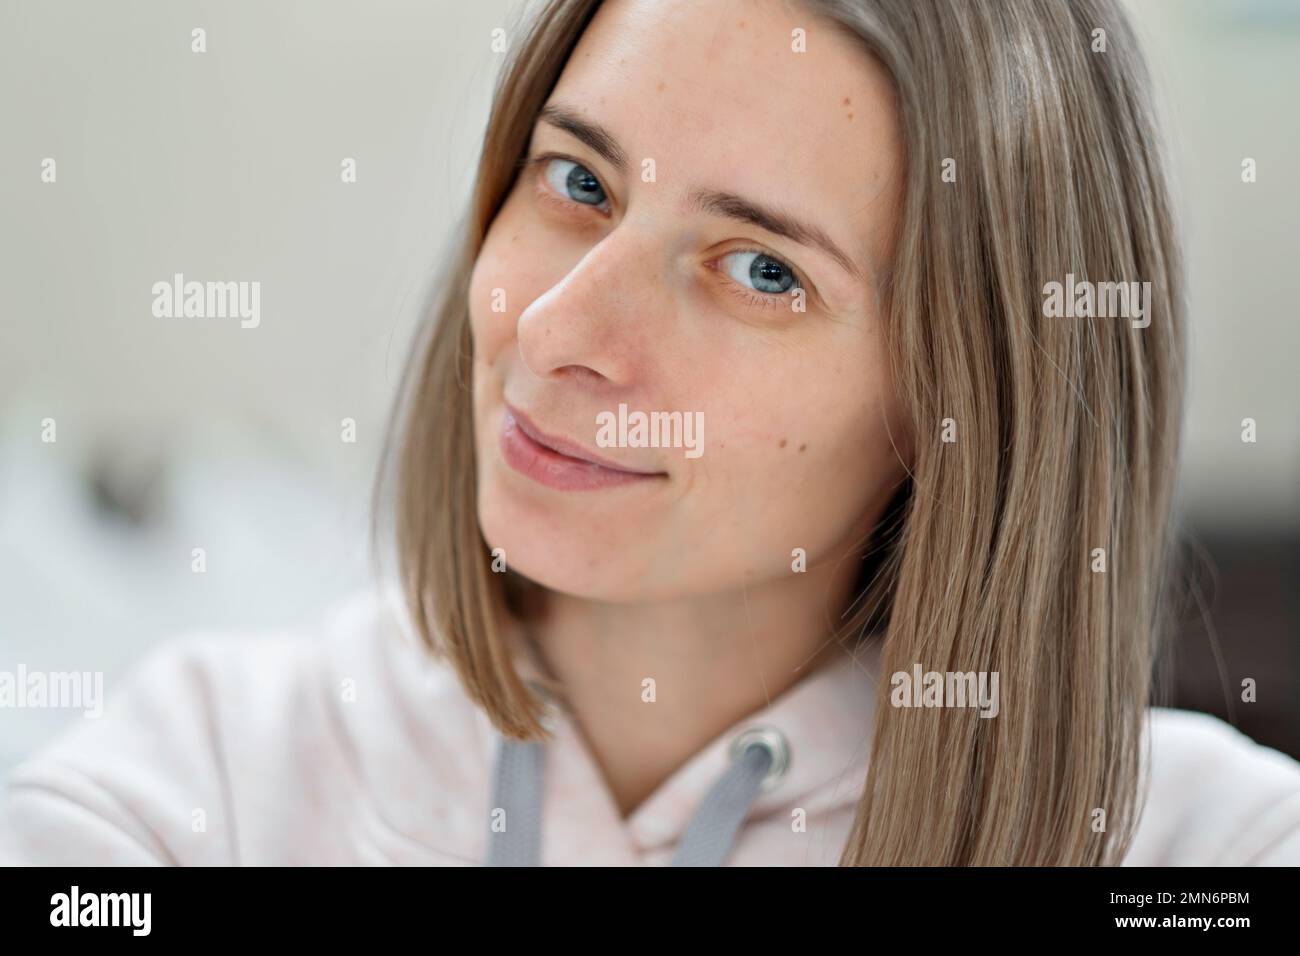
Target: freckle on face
[
  {"x": 782, "y": 445},
  {"x": 802, "y": 447}
]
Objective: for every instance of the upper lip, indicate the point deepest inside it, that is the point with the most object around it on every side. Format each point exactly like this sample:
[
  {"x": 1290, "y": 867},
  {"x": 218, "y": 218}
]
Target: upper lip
[{"x": 565, "y": 446}]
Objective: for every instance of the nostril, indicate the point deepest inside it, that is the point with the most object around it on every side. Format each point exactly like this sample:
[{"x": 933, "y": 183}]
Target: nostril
[{"x": 581, "y": 374}]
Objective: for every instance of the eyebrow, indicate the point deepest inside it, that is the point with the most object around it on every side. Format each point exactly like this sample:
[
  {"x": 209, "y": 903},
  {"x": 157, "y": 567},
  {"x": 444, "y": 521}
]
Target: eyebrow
[
  {"x": 712, "y": 201},
  {"x": 593, "y": 134}
]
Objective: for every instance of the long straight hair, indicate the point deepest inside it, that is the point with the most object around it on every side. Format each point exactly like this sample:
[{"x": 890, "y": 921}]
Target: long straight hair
[{"x": 1037, "y": 544}]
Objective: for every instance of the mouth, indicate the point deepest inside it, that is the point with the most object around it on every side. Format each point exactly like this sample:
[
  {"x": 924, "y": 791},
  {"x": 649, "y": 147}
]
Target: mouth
[{"x": 558, "y": 462}]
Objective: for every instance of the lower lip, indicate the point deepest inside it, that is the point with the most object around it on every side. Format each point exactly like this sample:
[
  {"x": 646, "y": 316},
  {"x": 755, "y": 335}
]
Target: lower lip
[{"x": 550, "y": 468}]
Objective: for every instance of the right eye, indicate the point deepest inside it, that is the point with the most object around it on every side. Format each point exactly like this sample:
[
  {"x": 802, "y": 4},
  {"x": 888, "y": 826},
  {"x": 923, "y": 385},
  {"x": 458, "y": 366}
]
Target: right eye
[{"x": 572, "y": 181}]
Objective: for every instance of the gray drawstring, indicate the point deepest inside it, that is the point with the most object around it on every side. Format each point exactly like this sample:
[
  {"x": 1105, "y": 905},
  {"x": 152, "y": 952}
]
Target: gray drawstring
[
  {"x": 517, "y": 793},
  {"x": 758, "y": 757},
  {"x": 712, "y": 830}
]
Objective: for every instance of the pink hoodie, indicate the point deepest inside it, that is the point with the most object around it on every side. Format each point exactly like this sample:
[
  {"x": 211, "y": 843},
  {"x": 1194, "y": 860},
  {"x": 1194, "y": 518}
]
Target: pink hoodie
[{"x": 354, "y": 746}]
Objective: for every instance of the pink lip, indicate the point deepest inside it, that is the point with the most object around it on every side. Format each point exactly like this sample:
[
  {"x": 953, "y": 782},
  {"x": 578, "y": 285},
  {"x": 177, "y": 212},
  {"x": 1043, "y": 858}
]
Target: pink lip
[{"x": 557, "y": 462}]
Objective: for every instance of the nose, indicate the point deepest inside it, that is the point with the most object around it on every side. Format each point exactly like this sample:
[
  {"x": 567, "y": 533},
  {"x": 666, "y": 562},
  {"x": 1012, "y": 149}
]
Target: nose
[{"x": 597, "y": 322}]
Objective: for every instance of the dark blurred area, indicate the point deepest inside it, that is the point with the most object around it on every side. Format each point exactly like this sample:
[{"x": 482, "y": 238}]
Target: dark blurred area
[{"x": 1239, "y": 619}]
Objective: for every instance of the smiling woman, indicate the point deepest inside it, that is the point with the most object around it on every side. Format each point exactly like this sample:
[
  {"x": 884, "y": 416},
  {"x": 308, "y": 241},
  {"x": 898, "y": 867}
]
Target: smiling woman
[
  {"x": 827, "y": 228},
  {"x": 660, "y": 255}
]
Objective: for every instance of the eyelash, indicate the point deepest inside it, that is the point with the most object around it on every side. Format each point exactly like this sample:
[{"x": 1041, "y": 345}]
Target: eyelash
[{"x": 760, "y": 300}]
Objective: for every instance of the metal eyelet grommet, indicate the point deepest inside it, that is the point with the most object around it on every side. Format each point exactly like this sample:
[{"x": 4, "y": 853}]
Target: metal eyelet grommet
[{"x": 777, "y": 746}]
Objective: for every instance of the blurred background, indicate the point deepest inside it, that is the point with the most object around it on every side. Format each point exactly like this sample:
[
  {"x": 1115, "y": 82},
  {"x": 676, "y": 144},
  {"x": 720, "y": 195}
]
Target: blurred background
[{"x": 225, "y": 165}]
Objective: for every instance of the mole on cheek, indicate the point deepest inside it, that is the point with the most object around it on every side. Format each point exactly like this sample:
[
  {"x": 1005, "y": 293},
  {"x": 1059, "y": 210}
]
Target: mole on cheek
[
  {"x": 782, "y": 445},
  {"x": 802, "y": 447}
]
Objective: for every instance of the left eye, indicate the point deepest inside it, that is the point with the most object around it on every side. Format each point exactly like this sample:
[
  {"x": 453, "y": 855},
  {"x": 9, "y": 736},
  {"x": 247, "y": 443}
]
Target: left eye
[
  {"x": 764, "y": 273},
  {"x": 574, "y": 182}
]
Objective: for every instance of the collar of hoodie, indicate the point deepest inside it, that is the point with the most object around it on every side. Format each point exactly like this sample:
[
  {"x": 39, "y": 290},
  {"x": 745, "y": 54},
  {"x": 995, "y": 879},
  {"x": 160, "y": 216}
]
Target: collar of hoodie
[{"x": 817, "y": 733}]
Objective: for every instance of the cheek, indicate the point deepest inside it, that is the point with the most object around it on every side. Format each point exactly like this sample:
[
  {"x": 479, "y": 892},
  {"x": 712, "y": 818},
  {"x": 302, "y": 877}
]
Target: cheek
[
  {"x": 805, "y": 455},
  {"x": 493, "y": 308},
  {"x": 513, "y": 269}
]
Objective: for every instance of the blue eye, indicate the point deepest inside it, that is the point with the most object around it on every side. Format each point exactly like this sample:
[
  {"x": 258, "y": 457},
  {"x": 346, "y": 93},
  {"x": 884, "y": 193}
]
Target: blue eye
[
  {"x": 574, "y": 182},
  {"x": 768, "y": 275}
]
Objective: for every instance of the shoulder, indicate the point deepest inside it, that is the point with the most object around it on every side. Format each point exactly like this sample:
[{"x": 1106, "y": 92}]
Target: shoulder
[
  {"x": 1215, "y": 797},
  {"x": 215, "y": 746}
]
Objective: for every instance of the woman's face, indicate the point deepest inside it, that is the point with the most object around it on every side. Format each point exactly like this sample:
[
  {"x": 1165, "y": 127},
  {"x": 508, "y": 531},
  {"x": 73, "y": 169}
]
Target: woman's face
[{"x": 696, "y": 232}]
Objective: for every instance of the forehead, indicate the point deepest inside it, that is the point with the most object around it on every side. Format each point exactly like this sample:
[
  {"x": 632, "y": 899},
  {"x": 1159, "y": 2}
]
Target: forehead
[{"x": 717, "y": 96}]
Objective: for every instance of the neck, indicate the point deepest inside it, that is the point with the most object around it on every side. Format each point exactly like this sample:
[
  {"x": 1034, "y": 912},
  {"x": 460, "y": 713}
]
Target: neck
[{"x": 714, "y": 660}]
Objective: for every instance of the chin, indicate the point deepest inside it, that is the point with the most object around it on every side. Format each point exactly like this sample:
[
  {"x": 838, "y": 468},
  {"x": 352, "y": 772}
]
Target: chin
[
  {"x": 544, "y": 546},
  {"x": 581, "y": 561}
]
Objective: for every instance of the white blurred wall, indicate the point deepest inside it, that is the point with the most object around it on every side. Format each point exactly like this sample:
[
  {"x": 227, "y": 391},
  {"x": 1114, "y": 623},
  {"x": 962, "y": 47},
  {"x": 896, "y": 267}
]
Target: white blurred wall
[
  {"x": 224, "y": 166},
  {"x": 1229, "y": 72}
]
